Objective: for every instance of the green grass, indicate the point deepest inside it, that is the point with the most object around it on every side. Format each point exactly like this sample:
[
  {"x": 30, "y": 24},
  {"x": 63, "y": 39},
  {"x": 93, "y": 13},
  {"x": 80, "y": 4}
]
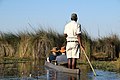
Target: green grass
[{"x": 107, "y": 65}]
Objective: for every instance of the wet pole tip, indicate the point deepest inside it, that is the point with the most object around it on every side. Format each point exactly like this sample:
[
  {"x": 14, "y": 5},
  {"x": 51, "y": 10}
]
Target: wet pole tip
[{"x": 96, "y": 75}]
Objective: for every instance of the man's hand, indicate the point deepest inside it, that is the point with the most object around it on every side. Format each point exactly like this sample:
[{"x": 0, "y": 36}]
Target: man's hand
[{"x": 82, "y": 47}]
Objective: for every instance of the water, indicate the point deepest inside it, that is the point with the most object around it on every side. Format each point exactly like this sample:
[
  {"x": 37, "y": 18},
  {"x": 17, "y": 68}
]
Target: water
[
  {"x": 104, "y": 75},
  {"x": 37, "y": 71}
]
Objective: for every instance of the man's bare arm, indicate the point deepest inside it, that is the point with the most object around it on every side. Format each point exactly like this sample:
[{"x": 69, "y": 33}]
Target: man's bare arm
[{"x": 79, "y": 36}]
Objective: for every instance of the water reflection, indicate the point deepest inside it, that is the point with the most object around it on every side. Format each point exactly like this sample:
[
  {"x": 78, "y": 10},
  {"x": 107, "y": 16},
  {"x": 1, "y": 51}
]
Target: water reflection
[
  {"x": 21, "y": 70},
  {"x": 54, "y": 75},
  {"x": 36, "y": 70}
]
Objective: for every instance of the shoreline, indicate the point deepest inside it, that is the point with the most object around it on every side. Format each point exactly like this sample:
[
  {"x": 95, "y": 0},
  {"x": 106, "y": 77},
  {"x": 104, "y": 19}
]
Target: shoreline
[{"x": 113, "y": 66}]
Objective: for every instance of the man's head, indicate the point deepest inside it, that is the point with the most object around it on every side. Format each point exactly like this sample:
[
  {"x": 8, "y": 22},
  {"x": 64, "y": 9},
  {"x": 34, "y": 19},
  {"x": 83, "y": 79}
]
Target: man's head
[{"x": 74, "y": 17}]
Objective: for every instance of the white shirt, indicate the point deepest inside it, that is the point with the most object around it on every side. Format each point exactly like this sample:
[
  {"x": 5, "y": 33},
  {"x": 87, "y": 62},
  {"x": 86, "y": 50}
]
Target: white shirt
[{"x": 72, "y": 29}]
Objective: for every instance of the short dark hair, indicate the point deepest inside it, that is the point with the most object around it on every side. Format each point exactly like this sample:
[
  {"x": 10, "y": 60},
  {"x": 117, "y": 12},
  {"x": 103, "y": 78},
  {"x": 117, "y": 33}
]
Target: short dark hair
[{"x": 74, "y": 17}]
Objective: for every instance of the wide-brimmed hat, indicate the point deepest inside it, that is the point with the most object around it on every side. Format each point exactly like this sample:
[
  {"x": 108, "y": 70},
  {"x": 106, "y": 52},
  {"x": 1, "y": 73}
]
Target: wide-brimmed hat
[
  {"x": 54, "y": 49},
  {"x": 62, "y": 49}
]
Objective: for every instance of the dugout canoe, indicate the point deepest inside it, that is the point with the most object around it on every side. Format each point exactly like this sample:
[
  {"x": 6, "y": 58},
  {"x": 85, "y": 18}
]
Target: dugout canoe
[{"x": 62, "y": 68}]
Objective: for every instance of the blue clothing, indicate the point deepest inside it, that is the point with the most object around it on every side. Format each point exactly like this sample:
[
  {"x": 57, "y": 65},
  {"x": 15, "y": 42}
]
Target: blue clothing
[
  {"x": 61, "y": 58},
  {"x": 52, "y": 57}
]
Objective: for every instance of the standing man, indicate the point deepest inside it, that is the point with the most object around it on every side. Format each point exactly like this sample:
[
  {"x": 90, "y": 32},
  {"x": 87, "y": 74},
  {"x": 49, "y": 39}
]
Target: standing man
[{"x": 72, "y": 33}]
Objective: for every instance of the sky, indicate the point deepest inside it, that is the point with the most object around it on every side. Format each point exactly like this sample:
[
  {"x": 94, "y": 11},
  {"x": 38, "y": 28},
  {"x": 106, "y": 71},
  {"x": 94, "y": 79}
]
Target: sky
[{"x": 98, "y": 17}]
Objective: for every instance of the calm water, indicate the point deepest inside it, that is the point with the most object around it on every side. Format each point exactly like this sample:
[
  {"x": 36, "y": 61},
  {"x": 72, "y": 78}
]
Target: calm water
[{"x": 37, "y": 71}]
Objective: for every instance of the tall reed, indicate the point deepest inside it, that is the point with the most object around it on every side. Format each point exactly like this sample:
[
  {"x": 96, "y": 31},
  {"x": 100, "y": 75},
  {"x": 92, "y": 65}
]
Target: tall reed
[
  {"x": 29, "y": 45},
  {"x": 107, "y": 46}
]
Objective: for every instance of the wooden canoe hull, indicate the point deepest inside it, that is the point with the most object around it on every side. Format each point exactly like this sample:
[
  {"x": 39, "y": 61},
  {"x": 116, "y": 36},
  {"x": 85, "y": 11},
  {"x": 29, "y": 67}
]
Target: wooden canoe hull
[{"x": 62, "y": 69}]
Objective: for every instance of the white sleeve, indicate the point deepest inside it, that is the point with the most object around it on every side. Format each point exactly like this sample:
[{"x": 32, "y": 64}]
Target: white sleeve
[
  {"x": 79, "y": 29},
  {"x": 65, "y": 30}
]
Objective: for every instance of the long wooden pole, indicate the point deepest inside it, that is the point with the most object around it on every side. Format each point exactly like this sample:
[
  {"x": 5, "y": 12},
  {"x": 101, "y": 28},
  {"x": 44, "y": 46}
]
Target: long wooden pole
[{"x": 88, "y": 61}]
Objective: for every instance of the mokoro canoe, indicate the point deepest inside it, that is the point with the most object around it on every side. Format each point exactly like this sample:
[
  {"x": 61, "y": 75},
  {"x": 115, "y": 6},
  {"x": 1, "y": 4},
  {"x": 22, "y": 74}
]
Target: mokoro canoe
[{"x": 62, "y": 68}]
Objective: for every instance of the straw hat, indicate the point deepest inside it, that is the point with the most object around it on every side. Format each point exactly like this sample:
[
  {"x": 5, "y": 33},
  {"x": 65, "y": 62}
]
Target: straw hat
[
  {"x": 54, "y": 49},
  {"x": 62, "y": 49}
]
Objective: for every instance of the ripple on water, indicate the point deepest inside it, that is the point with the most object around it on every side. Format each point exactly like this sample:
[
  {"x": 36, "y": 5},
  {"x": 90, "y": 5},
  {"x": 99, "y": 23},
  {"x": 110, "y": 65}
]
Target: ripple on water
[{"x": 104, "y": 75}]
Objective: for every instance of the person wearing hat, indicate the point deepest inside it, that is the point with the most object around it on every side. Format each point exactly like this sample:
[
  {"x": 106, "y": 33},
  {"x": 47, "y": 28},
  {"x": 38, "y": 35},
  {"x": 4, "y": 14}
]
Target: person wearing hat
[
  {"x": 62, "y": 58},
  {"x": 72, "y": 33},
  {"x": 54, "y": 53}
]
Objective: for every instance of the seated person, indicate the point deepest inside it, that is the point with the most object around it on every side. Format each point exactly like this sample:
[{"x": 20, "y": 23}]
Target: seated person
[
  {"x": 53, "y": 54},
  {"x": 62, "y": 58}
]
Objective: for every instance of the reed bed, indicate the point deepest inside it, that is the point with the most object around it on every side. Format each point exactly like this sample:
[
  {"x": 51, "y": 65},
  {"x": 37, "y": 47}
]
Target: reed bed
[
  {"x": 37, "y": 45},
  {"x": 107, "y": 47},
  {"x": 28, "y": 44},
  {"x": 107, "y": 65}
]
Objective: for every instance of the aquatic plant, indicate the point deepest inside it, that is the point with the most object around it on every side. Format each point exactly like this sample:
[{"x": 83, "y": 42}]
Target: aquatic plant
[
  {"x": 29, "y": 45},
  {"x": 106, "y": 48}
]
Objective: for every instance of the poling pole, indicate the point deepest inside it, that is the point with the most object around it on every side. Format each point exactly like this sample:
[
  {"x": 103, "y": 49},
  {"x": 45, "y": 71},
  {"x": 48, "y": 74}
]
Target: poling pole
[{"x": 88, "y": 61}]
